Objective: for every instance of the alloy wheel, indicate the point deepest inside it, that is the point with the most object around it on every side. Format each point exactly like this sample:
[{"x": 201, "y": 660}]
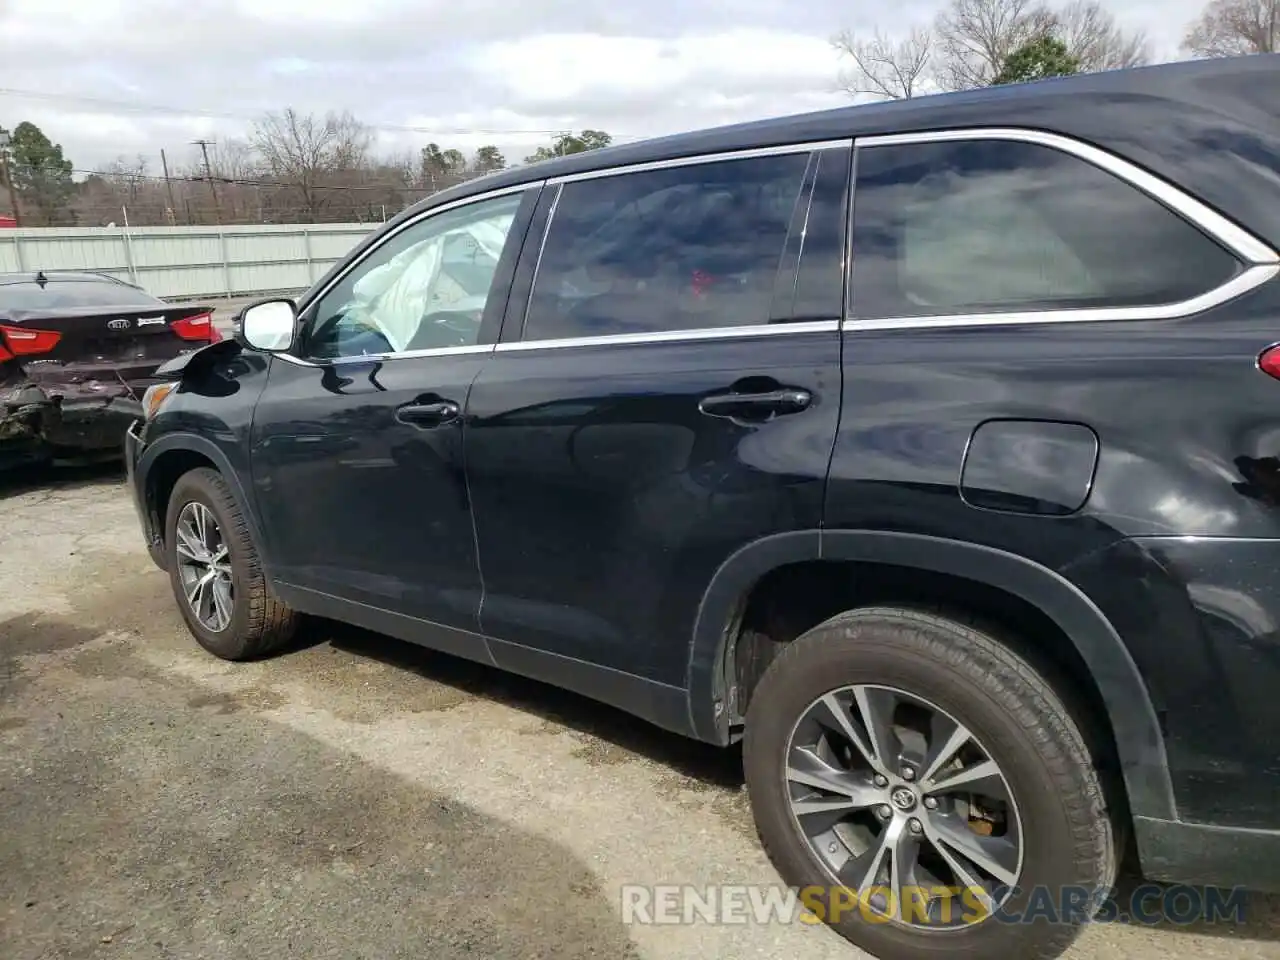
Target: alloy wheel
[
  {"x": 204, "y": 567},
  {"x": 904, "y": 807}
]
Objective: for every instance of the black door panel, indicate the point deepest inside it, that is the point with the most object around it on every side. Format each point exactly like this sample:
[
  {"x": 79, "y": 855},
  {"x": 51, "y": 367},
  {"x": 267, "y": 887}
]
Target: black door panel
[
  {"x": 356, "y": 501},
  {"x": 605, "y": 499}
]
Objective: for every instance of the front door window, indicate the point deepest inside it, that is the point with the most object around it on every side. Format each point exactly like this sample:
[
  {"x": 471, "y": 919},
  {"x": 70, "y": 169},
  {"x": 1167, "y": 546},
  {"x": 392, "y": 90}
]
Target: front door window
[{"x": 423, "y": 289}]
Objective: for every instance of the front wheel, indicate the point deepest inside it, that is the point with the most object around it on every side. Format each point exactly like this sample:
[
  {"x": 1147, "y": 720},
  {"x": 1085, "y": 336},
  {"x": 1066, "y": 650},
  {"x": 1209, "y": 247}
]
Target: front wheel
[
  {"x": 927, "y": 790},
  {"x": 216, "y": 574}
]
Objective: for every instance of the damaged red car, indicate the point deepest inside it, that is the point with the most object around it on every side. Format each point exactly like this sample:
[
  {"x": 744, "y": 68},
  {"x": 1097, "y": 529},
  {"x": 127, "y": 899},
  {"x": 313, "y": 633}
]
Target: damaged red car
[{"x": 78, "y": 351}]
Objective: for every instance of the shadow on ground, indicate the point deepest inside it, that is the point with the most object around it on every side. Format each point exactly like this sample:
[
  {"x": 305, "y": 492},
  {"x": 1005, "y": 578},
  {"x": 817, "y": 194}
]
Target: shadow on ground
[
  {"x": 701, "y": 761},
  {"x": 1212, "y": 912},
  {"x": 27, "y": 478},
  {"x": 131, "y": 818}
]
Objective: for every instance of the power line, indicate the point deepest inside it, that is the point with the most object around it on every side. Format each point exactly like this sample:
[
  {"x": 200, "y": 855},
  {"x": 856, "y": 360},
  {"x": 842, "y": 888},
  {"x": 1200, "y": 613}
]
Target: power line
[{"x": 152, "y": 108}]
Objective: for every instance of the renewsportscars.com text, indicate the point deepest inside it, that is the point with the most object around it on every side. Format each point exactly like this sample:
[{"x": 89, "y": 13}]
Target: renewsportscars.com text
[{"x": 1147, "y": 904}]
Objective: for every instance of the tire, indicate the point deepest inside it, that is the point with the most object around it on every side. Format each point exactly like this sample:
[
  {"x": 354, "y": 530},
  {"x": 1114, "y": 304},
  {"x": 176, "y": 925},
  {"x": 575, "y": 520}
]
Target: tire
[
  {"x": 1067, "y": 838},
  {"x": 259, "y": 624}
]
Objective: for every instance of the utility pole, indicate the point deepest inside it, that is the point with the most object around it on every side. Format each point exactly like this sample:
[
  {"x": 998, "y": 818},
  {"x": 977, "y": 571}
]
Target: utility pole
[
  {"x": 208, "y": 175},
  {"x": 8, "y": 177},
  {"x": 168, "y": 186}
]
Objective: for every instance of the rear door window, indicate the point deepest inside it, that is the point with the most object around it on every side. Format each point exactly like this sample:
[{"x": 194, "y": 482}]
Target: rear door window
[
  {"x": 656, "y": 251},
  {"x": 992, "y": 226}
]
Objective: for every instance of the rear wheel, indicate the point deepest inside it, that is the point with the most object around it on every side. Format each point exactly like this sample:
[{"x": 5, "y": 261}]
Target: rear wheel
[
  {"x": 216, "y": 574},
  {"x": 928, "y": 787}
]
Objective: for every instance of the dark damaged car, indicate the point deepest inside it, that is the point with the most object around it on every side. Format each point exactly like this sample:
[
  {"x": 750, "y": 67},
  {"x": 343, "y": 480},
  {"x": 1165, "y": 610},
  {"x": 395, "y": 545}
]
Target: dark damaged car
[{"x": 77, "y": 353}]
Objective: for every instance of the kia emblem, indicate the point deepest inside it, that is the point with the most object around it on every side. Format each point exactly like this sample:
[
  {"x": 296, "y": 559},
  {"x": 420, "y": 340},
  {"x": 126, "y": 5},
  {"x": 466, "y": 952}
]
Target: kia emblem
[{"x": 121, "y": 324}]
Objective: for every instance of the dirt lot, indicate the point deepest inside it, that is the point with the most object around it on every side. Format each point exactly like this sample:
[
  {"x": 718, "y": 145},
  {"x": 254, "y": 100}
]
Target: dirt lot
[{"x": 355, "y": 797}]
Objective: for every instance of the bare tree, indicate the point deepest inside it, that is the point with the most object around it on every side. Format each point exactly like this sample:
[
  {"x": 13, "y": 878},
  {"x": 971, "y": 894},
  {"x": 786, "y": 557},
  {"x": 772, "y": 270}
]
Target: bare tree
[
  {"x": 1093, "y": 37},
  {"x": 352, "y": 140},
  {"x": 303, "y": 152},
  {"x": 234, "y": 159},
  {"x": 1228, "y": 28},
  {"x": 237, "y": 168},
  {"x": 129, "y": 175},
  {"x": 975, "y": 37},
  {"x": 405, "y": 166},
  {"x": 124, "y": 184},
  {"x": 882, "y": 67},
  {"x": 291, "y": 168}
]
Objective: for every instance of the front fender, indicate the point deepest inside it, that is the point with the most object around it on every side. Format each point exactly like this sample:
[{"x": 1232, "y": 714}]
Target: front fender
[{"x": 1133, "y": 717}]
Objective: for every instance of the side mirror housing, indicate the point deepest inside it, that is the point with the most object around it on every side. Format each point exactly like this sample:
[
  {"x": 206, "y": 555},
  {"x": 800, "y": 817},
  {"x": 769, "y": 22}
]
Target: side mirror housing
[{"x": 269, "y": 325}]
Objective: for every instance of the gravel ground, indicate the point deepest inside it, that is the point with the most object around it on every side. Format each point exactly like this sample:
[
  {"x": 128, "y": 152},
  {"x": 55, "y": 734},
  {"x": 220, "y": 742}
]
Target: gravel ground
[{"x": 355, "y": 797}]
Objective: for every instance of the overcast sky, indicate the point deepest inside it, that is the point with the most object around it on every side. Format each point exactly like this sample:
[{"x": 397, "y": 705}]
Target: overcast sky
[{"x": 632, "y": 67}]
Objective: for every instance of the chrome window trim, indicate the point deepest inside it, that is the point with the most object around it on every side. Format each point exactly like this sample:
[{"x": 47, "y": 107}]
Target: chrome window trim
[
  {"x": 1251, "y": 277},
  {"x": 390, "y": 235},
  {"x": 296, "y": 361},
  {"x": 675, "y": 336},
  {"x": 748, "y": 153},
  {"x": 382, "y": 357},
  {"x": 1235, "y": 238}
]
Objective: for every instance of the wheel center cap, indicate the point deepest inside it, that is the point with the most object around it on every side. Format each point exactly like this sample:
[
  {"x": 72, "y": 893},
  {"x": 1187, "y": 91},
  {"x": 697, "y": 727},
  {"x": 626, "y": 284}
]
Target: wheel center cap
[{"x": 903, "y": 798}]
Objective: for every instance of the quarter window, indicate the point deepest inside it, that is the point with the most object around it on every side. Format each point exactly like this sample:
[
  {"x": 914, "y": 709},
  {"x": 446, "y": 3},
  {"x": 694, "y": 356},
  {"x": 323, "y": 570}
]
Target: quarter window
[
  {"x": 681, "y": 248},
  {"x": 989, "y": 226},
  {"x": 425, "y": 288}
]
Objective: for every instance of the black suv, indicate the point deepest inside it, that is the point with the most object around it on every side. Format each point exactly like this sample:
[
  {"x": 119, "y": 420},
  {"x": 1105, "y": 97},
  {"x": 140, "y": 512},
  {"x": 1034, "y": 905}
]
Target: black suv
[{"x": 930, "y": 448}]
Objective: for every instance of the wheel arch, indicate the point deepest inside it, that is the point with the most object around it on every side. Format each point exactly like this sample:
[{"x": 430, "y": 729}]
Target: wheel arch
[
  {"x": 1130, "y": 712},
  {"x": 165, "y": 460}
]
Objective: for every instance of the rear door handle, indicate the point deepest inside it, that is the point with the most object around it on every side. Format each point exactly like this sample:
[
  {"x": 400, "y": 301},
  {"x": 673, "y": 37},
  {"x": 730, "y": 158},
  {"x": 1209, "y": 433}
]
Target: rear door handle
[
  {"x": 428, "y": 414},
  {"x": 756, "y": 406}
]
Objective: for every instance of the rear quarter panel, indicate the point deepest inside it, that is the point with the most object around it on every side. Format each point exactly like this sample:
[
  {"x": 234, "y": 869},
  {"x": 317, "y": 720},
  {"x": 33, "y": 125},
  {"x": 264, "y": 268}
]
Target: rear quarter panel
[{"x": 1178, "y": 542}]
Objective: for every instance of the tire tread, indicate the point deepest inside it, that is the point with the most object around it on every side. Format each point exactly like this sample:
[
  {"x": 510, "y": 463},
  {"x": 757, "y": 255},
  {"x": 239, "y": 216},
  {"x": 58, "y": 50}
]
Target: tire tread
[{"x": 270, "y": 623}]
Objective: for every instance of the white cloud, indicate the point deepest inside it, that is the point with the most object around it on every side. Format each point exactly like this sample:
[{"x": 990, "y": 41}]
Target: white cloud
[
  {"x": 327, "y": 12},
  {"x": 464, "y": 70},
  {"x": 557, "y": 68}
]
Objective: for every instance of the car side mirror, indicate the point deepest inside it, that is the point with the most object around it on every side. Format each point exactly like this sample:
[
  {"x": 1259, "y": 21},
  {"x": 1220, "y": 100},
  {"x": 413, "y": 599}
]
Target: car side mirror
[{"x": 270, "y": 325}]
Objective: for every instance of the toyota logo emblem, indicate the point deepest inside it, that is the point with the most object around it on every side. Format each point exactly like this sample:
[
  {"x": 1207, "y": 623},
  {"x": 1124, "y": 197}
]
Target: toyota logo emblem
[{"x": 120, "y": 324}]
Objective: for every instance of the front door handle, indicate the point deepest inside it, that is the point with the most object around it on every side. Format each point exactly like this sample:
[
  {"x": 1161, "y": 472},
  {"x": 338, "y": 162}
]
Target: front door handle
[
  {"x": 756, "y": 406},
  {"x": 428, "y": 414}
]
